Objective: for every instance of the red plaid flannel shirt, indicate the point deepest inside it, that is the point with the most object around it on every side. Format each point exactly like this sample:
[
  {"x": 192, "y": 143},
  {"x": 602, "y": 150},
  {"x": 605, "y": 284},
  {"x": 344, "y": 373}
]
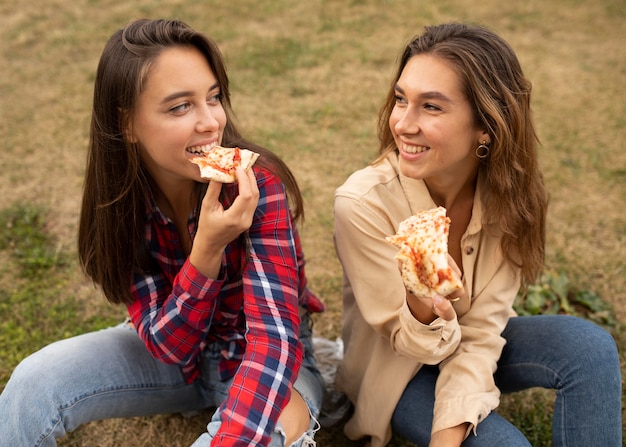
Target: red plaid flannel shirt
[{"x": 254, "y": 316}]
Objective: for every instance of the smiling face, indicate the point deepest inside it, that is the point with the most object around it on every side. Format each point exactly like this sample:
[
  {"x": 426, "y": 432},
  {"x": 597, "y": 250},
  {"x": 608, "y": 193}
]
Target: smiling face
[
  {"x": 178, "y": 112},
  {"x": 432, "y": 122}
]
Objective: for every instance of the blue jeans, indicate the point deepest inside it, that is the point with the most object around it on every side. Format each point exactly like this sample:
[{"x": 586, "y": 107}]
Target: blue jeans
[
  {"x": 571, "y": 355},
  {"x": 110, "y": 374}
]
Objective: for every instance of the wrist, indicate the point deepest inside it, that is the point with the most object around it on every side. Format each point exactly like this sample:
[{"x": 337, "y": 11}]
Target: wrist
[
  {"x": 207, "y": 262},
  {"x": 421, "y": 311}
]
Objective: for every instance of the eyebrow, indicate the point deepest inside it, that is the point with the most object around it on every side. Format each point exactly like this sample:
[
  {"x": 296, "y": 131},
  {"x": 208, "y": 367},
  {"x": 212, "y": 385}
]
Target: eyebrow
[
  {"x": 182, "y": 94},
  {"x": 426, "y": 95}
]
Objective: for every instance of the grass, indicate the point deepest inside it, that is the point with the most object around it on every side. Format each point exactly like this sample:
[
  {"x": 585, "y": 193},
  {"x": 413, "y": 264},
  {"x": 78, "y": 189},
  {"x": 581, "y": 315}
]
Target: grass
[{"x": 307, "y": 81}]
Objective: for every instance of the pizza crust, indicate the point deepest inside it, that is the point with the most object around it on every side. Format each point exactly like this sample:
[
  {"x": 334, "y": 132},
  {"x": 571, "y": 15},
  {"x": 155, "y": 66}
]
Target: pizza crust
[
  {"x": 423, "y": 243},
  {"x": 219, "y": 163}
]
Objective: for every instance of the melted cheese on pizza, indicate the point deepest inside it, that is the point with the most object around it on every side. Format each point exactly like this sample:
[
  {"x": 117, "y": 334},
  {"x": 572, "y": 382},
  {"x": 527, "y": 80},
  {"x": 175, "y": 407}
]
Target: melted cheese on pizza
[
  {"x": 220, "y": 163},
  {"x": 423, "y": 243}
]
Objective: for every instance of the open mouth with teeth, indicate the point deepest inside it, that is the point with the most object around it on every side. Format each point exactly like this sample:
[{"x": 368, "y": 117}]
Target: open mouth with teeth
[
  {"x": 415, "y": 149},
  {"x": 201, "y": 150}
]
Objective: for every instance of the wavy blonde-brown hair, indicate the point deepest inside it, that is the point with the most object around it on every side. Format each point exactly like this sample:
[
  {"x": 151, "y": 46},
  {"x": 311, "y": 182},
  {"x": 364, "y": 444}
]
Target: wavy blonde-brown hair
[{"x": 514, "y": 195}]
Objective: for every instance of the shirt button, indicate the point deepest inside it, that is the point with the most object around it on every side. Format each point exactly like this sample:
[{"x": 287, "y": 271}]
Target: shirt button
[{"x": 469, "y": 250}]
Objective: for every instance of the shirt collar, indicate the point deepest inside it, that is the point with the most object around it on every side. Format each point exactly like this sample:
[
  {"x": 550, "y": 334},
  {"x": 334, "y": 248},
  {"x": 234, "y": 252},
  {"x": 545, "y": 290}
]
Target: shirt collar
[{"x": 419, "y": 198}]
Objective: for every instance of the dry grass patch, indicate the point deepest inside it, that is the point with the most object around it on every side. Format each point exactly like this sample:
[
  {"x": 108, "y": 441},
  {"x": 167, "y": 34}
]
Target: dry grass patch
[{"x": 307, "y": 81}]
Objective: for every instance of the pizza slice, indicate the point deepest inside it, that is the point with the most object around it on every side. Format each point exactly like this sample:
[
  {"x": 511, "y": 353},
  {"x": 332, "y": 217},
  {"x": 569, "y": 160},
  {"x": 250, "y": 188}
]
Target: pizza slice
[
  {"x": 219, "y": 163},
  {"x": 423, "y": 243}
]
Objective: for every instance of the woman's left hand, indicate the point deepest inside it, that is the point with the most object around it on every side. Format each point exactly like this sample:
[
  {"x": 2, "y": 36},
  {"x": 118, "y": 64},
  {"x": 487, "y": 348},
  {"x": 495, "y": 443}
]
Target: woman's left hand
[{"x": 443, "y": 308}]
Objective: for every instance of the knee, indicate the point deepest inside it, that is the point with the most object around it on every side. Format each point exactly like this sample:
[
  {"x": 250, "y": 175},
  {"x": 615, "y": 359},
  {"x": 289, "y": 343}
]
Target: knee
[
  {"x": 596, "y": 350},
  {"x": 596, "y": 343},
  {"x": 25, "y": 390},
  {"x": 37, "y": 375},
  {"x": 295, "y": 418},
  {"x": 28, "y": 374}
]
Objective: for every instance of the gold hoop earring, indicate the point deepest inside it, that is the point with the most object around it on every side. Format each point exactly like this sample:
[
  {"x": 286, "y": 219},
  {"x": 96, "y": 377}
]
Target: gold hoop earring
[{"x": 482, "y": 151}]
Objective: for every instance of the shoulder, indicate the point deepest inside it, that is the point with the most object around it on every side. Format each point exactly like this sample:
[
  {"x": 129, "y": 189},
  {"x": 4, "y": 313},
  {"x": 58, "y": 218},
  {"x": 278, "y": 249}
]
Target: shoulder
[
  {"x": 270, "y": 185},
  {"x": 373, "y": 180},
  {"x": 372, "y": 197}
]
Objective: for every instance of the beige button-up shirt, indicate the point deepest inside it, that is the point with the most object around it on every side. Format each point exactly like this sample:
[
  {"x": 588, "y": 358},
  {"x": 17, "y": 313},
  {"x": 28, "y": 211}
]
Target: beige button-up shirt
[{"x": 385, "y": 346}]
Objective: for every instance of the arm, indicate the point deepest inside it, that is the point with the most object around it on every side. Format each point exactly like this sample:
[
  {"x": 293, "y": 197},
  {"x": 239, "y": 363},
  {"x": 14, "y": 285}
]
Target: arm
[
  {"x": 466, "y": 392},
  {"x": 173, "y": 305},
  {"x": 369, "y": 265},
  {"x": 262, "y": 385},
  {"x": 174, "y": 325},
  {"x": 173, "y": 321}
]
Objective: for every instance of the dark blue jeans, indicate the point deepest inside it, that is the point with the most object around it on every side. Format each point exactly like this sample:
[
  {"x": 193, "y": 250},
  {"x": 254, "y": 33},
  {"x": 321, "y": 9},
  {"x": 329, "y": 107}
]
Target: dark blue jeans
[{"x": 570, "y": 355}]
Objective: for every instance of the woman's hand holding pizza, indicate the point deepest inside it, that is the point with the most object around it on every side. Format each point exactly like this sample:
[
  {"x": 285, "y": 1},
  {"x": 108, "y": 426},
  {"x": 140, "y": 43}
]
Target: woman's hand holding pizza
[
  {"x": 431, "y": 277},
  {"x": 442, "y": 306},
  {"x": 427, "y": 308},
  {"x": 218, "y": 226}
]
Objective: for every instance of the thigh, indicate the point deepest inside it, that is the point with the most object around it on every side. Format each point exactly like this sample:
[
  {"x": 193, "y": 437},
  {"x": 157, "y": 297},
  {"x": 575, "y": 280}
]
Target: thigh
[
  {"x": 579, "y": 360},
  {"x": 547, "y": 350},
  {"x": 310, "y": 385},
  {"x": 413, "y": 417},
  {"x": 103, "y": 374}
]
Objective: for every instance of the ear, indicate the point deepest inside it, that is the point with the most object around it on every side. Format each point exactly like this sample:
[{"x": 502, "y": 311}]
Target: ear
[
  {"x": 484, "y": 137},
  {"x": 127, "y": 126}
]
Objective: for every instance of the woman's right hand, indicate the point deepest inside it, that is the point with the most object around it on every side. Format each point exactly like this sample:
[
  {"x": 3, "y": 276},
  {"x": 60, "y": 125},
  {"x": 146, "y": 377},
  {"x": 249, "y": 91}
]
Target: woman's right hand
[{"x": 218, "y": 226}]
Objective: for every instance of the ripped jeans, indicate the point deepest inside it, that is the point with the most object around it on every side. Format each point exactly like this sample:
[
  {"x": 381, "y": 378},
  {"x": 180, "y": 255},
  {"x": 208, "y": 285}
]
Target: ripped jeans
[
  {"x": 306, "y": 385},
  {"x": 110, "y": 374},
  {"x": 309, "y": 384}
]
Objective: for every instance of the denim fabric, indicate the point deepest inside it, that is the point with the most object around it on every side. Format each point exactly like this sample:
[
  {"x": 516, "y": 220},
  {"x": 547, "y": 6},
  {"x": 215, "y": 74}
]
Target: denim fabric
[
  {"x": 573, "y": 356},
  {"x": 110, "y": 374}
]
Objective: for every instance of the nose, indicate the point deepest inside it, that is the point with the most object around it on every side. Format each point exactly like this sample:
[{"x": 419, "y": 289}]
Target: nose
[
  {"x": 406, "y": 121},
  {"x": 207, "y": 121}
]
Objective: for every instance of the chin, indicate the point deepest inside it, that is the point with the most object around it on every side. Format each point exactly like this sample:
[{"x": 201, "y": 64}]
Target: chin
[{"x": 410, "y": 171}]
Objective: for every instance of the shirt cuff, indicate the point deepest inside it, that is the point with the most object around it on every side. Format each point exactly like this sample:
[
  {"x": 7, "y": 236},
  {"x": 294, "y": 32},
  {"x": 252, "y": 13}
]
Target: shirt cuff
[
  {"x": 195, "y": 284},
  {"x": 471, "y": 408},
  {"x": 439, "y": 338}
]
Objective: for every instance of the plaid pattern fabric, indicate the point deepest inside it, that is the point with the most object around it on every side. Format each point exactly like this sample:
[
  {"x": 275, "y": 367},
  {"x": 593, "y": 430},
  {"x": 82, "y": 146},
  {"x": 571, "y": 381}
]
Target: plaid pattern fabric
[{"x": 253, "y": 316}]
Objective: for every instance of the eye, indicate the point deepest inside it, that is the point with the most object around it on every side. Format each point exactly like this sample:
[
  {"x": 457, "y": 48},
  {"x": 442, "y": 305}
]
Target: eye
[
  {"x": 400, "y": 99},
  {"x": 432, "y": 107},
  {"x": 214, "y": 99},
  {"x": 180, "y": 108}
]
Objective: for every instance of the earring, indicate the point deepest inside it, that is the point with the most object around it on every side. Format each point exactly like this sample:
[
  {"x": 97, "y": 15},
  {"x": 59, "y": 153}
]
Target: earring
[{"x": 482, "y": 151}]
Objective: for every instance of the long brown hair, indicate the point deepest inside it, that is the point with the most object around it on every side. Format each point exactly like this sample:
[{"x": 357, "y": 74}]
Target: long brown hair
[
  {"x": 116, "y": 186},
  {"x": 499, "y": 93}
]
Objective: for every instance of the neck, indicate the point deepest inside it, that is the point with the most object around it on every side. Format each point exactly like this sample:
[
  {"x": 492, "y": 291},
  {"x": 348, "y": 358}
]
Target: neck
[
  {"x": 176, "y": 203},
  {"x": 451, "y": 194}
]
